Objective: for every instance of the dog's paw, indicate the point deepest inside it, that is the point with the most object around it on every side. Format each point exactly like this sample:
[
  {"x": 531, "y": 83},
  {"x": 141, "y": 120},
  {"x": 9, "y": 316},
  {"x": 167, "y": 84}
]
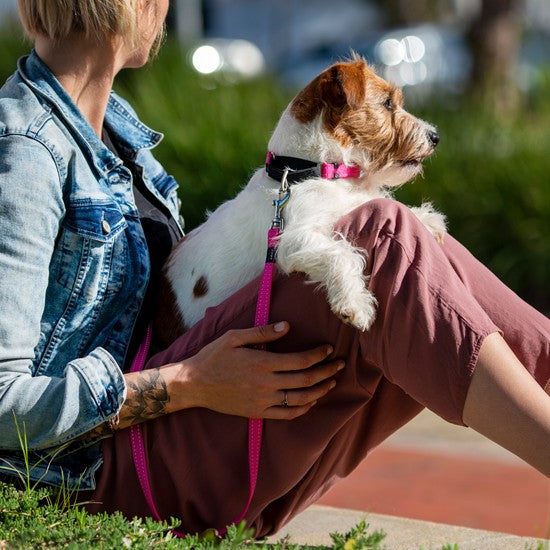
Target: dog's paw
[
  {"x": 359, "y": 312},
  {"x": 434, "y": 221}
]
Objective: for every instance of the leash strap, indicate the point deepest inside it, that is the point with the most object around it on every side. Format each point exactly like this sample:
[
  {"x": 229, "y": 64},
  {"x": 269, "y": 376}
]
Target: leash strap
[{"x": 255, "y": 425}]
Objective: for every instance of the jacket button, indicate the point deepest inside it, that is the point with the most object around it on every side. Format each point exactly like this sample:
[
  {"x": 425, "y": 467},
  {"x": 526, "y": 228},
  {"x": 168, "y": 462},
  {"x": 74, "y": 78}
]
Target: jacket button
[{"x": 106, "y": 226}]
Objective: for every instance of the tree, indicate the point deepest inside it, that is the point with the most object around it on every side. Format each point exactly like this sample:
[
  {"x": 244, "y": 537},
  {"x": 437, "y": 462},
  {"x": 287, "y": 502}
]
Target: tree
[{"x": 495, "y": 40}]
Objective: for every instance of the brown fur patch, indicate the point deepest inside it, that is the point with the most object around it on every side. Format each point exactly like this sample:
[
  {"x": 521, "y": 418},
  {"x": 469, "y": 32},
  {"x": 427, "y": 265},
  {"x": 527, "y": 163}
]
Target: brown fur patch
[
  {"x": 339, "y": 86},
  {"x": 201, "y": 287}
]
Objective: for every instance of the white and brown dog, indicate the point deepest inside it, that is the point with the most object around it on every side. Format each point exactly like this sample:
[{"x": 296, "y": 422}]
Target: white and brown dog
[{"x": 348, "y": 125}]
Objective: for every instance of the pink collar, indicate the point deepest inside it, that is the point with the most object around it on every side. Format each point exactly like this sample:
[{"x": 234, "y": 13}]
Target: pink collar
[{"x": 300, "y": 169}]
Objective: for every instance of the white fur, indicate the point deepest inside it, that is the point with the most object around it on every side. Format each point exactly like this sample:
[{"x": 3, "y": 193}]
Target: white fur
[{"x": 228, "y": 250}]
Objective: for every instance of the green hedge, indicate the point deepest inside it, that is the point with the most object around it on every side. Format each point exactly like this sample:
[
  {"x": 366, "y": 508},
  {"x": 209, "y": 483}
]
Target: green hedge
[{"x": 489, "y": 176}]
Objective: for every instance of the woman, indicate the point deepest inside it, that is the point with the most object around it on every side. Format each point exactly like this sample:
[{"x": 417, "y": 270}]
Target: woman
[{"x": 88, "y": 217}]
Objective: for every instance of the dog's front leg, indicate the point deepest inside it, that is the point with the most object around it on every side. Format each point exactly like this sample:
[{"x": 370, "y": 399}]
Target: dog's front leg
[
  {"x": 434, "y": 221},
  {"x": 337, "y": 266}
]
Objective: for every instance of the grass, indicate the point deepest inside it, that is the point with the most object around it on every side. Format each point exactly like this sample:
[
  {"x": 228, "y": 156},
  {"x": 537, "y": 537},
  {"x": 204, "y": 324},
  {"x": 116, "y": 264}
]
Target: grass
[
  {"x": 38, "y": 518},
  {"x": 35, "y": 516}
]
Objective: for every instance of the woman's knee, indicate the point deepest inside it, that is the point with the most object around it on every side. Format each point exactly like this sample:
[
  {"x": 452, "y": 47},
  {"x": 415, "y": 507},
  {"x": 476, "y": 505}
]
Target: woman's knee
[{"x": 379, "y": 216}]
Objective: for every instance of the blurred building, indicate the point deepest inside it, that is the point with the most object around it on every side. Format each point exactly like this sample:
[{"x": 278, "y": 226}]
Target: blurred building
[
  {"x": 8, "y": 8},
  {"x": 299, "y": 39}
]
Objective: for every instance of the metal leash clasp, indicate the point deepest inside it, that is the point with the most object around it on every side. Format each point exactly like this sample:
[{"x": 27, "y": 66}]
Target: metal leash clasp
[{"x": 280, "y": 203}]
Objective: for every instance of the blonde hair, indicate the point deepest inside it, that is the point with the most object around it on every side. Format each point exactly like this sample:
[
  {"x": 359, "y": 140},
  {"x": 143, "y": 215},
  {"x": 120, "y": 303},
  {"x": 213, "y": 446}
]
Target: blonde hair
[{"x": 98, "y": 19}]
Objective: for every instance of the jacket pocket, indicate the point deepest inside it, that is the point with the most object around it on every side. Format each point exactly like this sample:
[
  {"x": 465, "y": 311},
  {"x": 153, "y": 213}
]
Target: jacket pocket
[{"x": 92, "y": 255}]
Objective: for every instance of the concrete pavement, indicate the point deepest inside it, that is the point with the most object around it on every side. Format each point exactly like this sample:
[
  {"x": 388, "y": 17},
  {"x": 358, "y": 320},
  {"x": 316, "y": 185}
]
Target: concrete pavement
[{"x": 313, "y": 527}]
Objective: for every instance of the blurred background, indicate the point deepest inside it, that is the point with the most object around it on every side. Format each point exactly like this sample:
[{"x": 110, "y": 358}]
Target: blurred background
[{"x": 478, "y": 69}]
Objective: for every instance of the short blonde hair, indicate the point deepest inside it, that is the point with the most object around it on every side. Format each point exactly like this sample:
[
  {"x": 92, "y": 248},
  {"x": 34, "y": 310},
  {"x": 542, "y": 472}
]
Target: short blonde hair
[{"x": 98, "y": 19}]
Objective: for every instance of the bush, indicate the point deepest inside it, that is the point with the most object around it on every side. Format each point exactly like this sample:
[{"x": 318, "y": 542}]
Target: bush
[{"x": 490, "y": 177}]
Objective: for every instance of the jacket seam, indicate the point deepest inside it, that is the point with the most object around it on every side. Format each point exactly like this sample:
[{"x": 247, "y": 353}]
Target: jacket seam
[{"x": 49, "y": 148}]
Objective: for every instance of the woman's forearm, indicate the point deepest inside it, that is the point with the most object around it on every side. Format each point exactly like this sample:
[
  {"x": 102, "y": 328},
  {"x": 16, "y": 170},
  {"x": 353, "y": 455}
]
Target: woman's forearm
[{"x": 150, "y": 393}]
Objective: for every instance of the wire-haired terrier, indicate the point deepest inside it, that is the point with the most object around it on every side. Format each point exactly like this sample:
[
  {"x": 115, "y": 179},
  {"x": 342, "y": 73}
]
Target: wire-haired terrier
[{"x": 347, "y": 126}]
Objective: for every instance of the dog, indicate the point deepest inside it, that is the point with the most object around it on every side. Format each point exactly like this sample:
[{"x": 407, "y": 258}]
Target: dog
[{"x": 348, "y": 125}]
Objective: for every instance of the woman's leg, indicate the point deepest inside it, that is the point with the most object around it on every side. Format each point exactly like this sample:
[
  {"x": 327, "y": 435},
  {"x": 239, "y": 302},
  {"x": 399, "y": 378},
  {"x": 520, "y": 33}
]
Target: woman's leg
[
  {"x": 525, "y": 329},
  {"x": 505, "y": 404},
  {"x": 506, "y": 400},
  {"x": 422, "y": 350}
]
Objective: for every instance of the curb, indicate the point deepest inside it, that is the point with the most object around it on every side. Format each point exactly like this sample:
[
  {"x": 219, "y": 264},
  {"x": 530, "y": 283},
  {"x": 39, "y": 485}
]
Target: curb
[{"x": 314, "y": 525}]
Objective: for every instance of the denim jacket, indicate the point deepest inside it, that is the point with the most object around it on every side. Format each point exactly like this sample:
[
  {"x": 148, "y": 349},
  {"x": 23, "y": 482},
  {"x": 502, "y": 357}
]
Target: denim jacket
[{"x": 74, "y": 268}]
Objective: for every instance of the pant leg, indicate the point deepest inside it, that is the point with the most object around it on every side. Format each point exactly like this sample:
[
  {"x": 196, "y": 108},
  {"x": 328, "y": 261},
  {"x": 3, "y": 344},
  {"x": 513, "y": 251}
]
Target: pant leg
[
  {"x": 421, "y": 351},
  {"x": 526, "y": 330}
]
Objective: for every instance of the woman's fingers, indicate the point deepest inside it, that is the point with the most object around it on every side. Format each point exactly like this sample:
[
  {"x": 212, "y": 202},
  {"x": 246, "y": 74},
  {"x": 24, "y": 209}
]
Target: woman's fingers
[
  {"x": 229, "y": 376},
  {"x": 308, "y": 377},
  {"x": 289, "y": 413},
  {"x": 269, "y": 333},
  {"x": 256, "y": 335},
  {"x": 305, "y": 396},
  {"x": 294, "y": 403},
  {"x": 297, "y": 361}
]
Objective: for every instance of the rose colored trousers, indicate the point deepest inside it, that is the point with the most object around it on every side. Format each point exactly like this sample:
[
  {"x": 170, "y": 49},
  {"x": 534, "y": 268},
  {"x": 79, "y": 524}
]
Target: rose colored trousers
[{"x": 436, "y": 305}]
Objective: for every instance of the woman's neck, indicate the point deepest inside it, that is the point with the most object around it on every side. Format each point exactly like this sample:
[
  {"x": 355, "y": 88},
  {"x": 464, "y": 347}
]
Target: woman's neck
[{"x": 86, "y": 69}]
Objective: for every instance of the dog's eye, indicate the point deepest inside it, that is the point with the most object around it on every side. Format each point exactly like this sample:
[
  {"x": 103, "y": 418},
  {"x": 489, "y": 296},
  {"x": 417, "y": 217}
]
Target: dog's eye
[{"x": 388, "y": 104}]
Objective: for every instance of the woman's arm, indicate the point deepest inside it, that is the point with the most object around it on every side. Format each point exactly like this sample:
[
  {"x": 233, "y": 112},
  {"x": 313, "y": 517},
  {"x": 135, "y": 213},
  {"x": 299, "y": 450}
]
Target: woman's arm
[
  {"x": 83, "y": 392},
  {"x": 228, "y": 377}
]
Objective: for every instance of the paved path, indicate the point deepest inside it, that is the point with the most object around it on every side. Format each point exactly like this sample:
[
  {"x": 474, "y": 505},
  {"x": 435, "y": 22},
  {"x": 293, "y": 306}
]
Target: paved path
[
  {"x": 433, "y": 471},
  {"x": 313, "y": 527}
]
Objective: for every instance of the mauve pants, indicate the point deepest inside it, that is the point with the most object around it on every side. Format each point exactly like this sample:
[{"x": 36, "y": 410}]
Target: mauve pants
[{"x": 436, "y": 305}]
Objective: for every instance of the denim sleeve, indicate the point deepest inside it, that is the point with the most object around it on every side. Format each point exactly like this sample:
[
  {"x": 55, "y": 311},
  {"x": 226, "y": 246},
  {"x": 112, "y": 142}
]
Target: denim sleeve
[{"x": 92, "y": 388}]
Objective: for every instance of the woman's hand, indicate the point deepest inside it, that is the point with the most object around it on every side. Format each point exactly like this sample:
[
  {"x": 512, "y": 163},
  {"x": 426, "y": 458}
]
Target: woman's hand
[{"x": 230, "y": 377}]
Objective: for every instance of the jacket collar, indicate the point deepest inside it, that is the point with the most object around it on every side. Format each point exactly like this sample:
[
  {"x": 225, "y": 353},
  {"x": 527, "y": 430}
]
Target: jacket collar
[{"x": 129, "y": 133}]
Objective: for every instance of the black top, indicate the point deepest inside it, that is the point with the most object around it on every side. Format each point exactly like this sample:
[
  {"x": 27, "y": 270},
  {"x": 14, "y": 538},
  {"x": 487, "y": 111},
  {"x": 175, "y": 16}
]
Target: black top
[{"x": 161, "y": 233}]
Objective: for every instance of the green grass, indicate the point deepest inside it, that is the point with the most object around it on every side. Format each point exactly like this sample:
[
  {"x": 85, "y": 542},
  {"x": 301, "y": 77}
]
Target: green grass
[
  {"x": 35, "y": 516},
  {"x": 38, "y": 518}
]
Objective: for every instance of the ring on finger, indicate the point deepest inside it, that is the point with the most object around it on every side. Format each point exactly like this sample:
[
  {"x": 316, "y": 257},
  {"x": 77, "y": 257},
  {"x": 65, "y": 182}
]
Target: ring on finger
[{"x": 284, "y": 404}]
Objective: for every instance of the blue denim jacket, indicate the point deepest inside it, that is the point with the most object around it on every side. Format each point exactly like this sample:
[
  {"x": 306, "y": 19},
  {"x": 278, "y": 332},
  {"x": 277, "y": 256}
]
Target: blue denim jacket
[{"x": 74, "y": 268}]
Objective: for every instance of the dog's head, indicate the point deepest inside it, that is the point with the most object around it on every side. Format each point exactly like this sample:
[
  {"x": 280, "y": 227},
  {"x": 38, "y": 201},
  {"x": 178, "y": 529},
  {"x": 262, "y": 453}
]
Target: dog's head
[{"x": 349, "y": 114}]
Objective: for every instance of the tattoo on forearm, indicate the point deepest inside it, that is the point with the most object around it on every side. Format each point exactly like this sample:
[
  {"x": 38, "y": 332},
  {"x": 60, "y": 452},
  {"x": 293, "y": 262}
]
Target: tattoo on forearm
[{"x": 147, "y": 398}]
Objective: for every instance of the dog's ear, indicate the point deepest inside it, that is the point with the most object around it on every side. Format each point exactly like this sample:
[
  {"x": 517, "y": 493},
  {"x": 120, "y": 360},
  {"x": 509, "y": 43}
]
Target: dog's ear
[{"x": 340, "y": 86}]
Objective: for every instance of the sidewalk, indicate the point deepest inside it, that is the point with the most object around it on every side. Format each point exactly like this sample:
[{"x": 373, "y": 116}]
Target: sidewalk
[{"x": 313, "y": 527}]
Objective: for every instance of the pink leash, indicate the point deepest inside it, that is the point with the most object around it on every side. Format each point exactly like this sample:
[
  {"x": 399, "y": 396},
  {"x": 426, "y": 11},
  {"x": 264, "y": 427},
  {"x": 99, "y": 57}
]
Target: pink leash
[
  {"x": 255, "y": 425},
  {"x": 329, "y": 171}
]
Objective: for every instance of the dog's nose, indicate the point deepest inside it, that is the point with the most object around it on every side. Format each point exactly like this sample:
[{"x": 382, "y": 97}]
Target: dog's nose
[{"x": 433, "y": 136}]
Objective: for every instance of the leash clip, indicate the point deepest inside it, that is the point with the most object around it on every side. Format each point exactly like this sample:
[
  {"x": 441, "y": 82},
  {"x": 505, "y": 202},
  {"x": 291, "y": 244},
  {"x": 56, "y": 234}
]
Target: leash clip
[{"x": 280, "y": 203}]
